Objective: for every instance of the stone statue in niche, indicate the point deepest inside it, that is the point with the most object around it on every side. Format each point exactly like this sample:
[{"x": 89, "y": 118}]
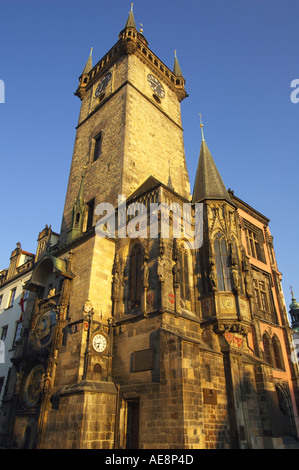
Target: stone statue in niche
[
  {"x": 176, "y": 271},
  {"x": 213, "y": 276},
  {"x": 145, "y": 275}
]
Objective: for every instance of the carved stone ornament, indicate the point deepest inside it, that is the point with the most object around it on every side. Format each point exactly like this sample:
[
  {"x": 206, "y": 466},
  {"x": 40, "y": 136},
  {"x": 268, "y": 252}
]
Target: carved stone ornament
[{"x": 234, "y": 327}]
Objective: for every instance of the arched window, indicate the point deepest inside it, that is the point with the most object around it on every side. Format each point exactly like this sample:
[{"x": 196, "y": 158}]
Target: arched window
[
  {"x": 277, "y": 353},
  {"x": 135, "y": 276},
  {"x": 222, "y": 262},
  {"x": 267, "y": 349},
  {"x": 185, "y": 284}
]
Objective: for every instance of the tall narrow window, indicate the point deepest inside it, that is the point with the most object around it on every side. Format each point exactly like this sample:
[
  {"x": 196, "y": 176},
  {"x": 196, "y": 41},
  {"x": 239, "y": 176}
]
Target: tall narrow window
[
  {"x": 254, "y": 239},
  {"x": 277, "y": 353},
  {"x": 90, "y": 209},
  {"x": 97, "y": 147},
  {"x": 4, "y": 332},
  {"x": 222, "y": 263},
  {"x": 261, "y": 295},
  {"x": 135, "y": 276},
  {"x": 185, "y": 287},
  {"x": 12, "y": 297}
]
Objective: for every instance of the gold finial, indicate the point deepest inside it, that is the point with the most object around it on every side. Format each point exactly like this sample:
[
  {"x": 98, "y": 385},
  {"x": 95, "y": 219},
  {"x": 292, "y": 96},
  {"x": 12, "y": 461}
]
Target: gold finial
[
  {"x": 201, "y": 125},
  {"x": 141, "y": 30},
  {"x": 132, "y": 6},
  {"x": 291, "y": 287}
]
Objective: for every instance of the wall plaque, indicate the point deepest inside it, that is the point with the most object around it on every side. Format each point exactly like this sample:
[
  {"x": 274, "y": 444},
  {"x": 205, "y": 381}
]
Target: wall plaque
[
  {"x": 209, "y": 396},
  {"x": 143, "y": 360}
]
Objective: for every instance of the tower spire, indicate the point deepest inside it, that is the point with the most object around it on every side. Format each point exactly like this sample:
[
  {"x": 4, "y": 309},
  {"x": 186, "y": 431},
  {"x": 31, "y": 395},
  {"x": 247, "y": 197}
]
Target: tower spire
[
  {"x": 88, "y": 65},
  {"x": 131, "y": 20},
  {"x": 176, "y": 68},
  {"x": 208, "y": 182}
]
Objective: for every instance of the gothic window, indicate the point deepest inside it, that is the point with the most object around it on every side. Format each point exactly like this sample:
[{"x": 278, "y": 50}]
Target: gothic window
[
  {"x": 254, "y": 240},
  {"x": 185, "y": 284},
  {"x": 272, "y": 351},
  {"x": 277, "y": 353},
  {"x": 222, "y": 263},
  {"x": 135, "y": 276},
  {"x": 263, "y": 296}
]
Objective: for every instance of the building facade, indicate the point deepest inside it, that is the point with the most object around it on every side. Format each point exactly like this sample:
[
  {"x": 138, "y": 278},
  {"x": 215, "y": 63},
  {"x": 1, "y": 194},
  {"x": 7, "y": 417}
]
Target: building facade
[
  {"x": 13, "y": 298},
  {"x": 137, "y": 335}
]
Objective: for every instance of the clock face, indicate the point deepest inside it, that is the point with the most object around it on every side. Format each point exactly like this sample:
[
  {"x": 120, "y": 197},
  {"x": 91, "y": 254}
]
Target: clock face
[
  {"x": 32, "y": 387},
  {"x": 43, "y": 330},
  {"x": 103, "y": 84},
  {"x": 99, "y": 342},
  {"x": 43, "y": 326},
  {"x": 156, "y": 86}
]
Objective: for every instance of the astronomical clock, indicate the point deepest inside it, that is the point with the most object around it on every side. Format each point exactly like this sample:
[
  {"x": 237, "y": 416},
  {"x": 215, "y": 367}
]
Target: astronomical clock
[{"x": 41, "y": 334}]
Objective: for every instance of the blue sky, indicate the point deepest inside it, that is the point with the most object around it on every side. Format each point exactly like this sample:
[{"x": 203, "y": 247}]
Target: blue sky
[{"x": 238, "y": 58}]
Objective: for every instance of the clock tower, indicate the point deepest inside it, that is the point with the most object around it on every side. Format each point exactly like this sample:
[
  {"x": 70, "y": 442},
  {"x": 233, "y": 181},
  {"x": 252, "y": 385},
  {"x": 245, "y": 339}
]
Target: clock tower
[
  {"x": 129, "y": 127},
  {"x": 129, "y": 138},
  {"x": 142, "y": 340}
]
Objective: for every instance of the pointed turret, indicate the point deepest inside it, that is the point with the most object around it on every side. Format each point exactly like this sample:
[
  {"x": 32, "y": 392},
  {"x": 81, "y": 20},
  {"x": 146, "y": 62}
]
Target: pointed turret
[
  {"x": 78, "y": 213},
  {"x": 176, "y": 68},
  {"x": 208, "y": 182},
  {"x": 88, "y": 65},
  {"x": 131, "y": 20},
  {"x": 84, "y": 78}
]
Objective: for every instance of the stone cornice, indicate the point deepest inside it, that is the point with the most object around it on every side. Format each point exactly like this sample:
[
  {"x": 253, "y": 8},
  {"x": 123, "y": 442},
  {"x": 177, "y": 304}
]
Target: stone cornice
[{"x": 132, "y": 42}]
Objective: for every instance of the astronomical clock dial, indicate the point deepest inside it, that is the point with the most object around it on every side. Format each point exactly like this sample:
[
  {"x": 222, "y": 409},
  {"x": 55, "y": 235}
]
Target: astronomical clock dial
[
  {"x": 43, "y": 330},
  {"x": 103, "y": 84},
  {"x": 32, "y": 386},
  {"x": 156, "y": 86},
  {"x": 99, "y": 342}
]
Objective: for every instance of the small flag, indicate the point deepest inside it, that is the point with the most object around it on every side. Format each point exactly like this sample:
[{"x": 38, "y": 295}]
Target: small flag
[{"x": 21, "y": 303}]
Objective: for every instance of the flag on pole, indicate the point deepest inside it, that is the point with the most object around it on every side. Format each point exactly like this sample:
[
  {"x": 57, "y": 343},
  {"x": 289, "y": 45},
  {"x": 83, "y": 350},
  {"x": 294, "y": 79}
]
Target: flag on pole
[{"x": 21, "y": 303}]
